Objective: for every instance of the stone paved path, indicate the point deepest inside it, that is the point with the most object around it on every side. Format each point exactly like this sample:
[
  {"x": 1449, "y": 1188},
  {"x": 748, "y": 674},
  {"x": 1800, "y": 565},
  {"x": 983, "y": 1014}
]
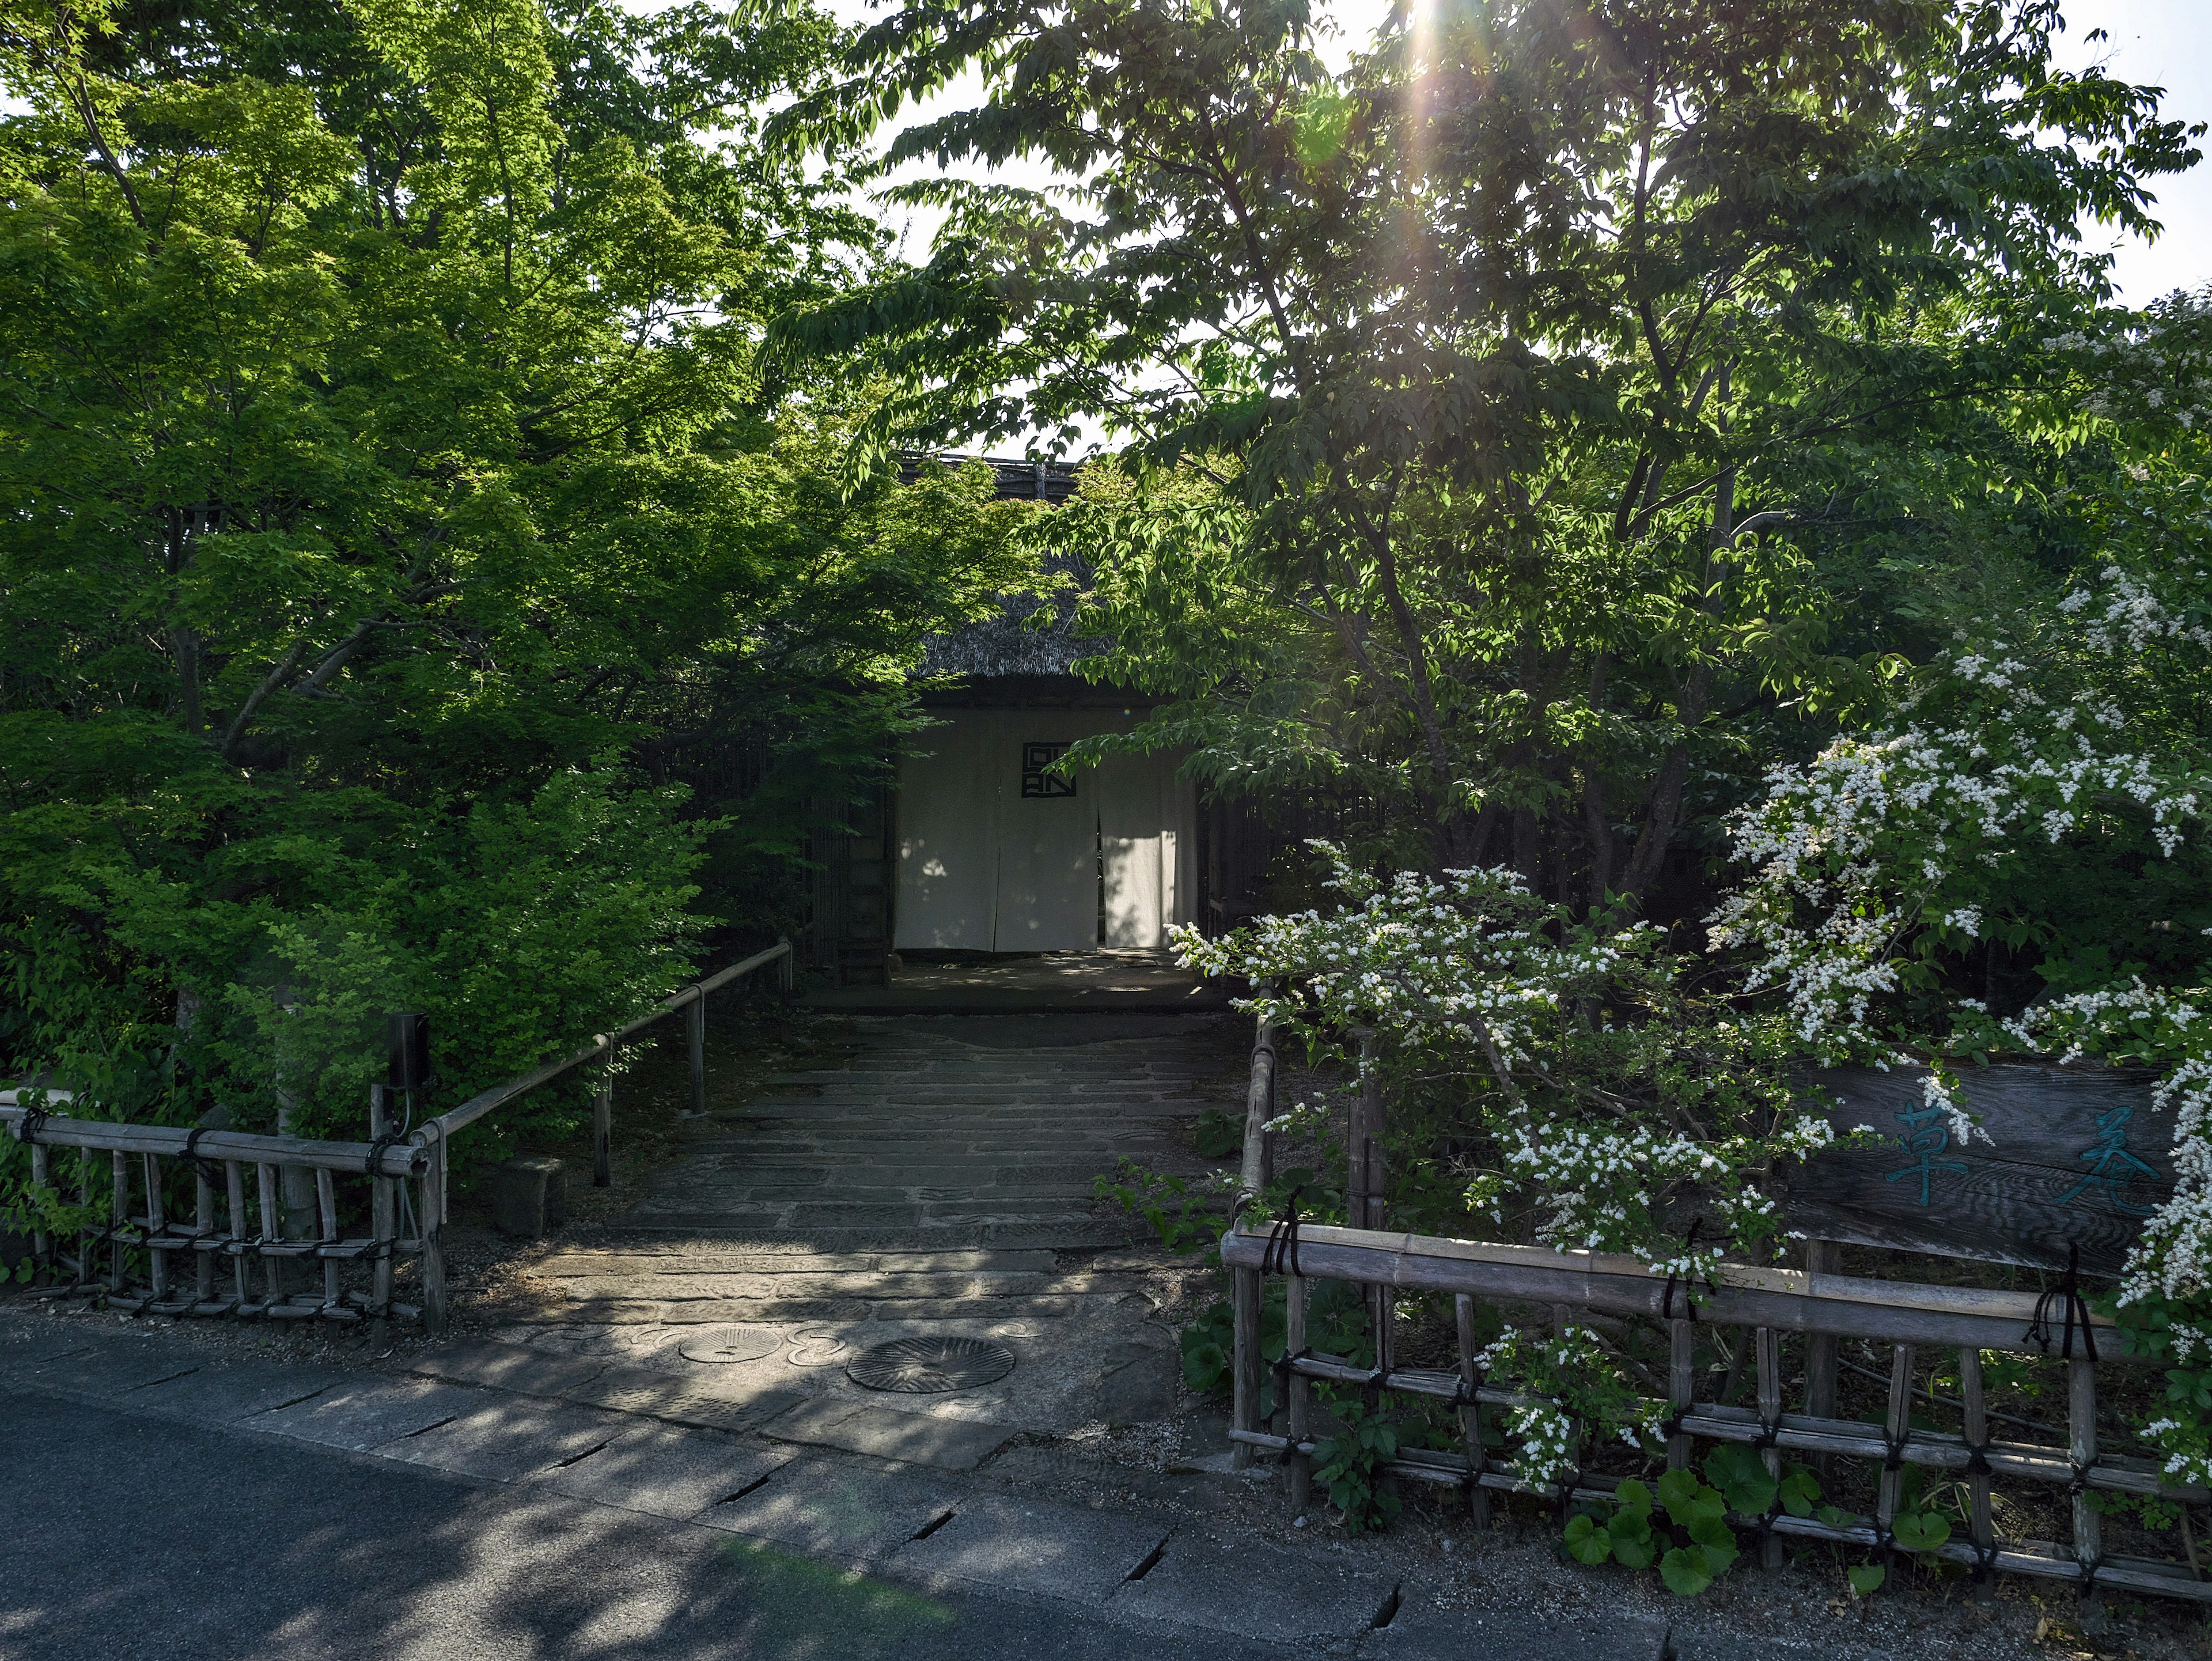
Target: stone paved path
[{"x": 939, "y": 1181}]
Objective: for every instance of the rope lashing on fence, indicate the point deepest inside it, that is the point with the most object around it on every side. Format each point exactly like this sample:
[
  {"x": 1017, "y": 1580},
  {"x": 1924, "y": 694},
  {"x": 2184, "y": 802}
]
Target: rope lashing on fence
[
  {"x": 2067, "y": 1296},
  {"x": 390, "y": 1139},
  {"x": 200, "y": 1162},
  {"x": 1282, "y": 1255},
  {"x": 33, "y": 1121},
  {"x": 1978, "y": 1458},
  {"x": 1686, "y": 1282}
]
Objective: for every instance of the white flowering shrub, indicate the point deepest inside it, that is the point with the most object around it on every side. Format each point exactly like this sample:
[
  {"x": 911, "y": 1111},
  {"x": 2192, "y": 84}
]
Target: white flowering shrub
[
  {"x": 1880, "y": 869},
  {"x": 1568, "y": 1082}
]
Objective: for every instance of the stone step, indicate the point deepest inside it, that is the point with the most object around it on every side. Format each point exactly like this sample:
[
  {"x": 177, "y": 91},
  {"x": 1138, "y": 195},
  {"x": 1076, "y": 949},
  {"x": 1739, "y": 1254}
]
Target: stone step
[
  {"x": 701, "y": 1259},
  {"x": 710, "y": 1311},
  {"x": 712, "y": 1225},
  {"x": 773, "y": 1288}
]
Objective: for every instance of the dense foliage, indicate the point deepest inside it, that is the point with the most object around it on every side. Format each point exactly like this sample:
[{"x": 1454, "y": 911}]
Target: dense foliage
[
  {"x": 415, "y": 592},
  {"x": 1562, "y": 373}
]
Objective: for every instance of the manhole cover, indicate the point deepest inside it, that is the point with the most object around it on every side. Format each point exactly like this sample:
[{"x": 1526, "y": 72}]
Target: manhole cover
[
  {"x": 921, "y": 1366},
  {"x": 730, "y": 1344}
]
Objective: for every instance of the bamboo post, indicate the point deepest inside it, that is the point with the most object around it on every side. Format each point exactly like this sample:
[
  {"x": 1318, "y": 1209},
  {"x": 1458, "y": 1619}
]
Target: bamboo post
[
  {"x": 157, "y": 1262},
  {"x": 272, "y": 1233},
  {"x": 383, "y": 1218},
  {"x": 1770, "y": 1415},
  {"x": 2081, "y": 1449},
  {"x": 1470, "y": 1416},
  {"x": 1980, "y": 1522},
  {"x": 234, "y": 1179},
  {"x": 603, "y": 1130},
  {"x": 1821, "y": 1257},
  {"x": 783, "y": 968},
  {"x": 1298, "y": 1414},
  {"x": 1682, "y": 1387},
  {"x": 326, "y": 1202},
  {"x": 119, "y": 1163},
  {"x": 204, "y": 1232},
  {"x": 694, "y": 1027},
  {"x": 1894, "y": 1428},
  {"x": 1245, "y": 1364},
  {"x": 85, "y": 1275},
  {"x": 433, "y": 1245},
  {"x": 42, "y": 1245}
]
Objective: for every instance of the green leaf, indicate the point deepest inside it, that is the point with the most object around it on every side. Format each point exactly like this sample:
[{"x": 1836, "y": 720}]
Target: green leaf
[
  {"x": 1921, "y": 1530},
  {"x": 1687, "y": 1499},
  {"x": 1631, "y": 1540},
  {"x": 1835, "y": 1517},
  {"x": 1632, "y": 1499},
  {"x": 1685, "y": 1571},
  {"x": 1716, "y": 1540},
  {"x": 1588, "y": 1542},
  {"x": 1867, "y": 1579},
  {"x": 1741, "y": 1476},
  {"x": 1799, "y": 1489}
]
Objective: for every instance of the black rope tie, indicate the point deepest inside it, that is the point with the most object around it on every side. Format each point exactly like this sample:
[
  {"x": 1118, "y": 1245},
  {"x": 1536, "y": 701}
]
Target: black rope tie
[
  {"x": 1686, "y": 1282},
  {"x": 33, "y": 1121},
  {"x": 1978, "y": 1458},
  {"x": 1770, "y": 1434},
  {"x": 376, "y": 1150},
  {"x": 1280, "y": 1255},
  {"x": 1895, "y": 1460},
  {"x": 1985, "y": 1560},
  {"x": 210, "y": 1172},
  {"x": 2080, "y": 1485},
  {"x": 2064, "y": 1299}
]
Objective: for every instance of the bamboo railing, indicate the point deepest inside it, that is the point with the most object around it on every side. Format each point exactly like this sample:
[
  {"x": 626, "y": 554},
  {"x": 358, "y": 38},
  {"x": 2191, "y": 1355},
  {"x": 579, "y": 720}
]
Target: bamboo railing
[
  {"x": 1760, "y": 1306},
  {"x": 244, "y": 1227}
]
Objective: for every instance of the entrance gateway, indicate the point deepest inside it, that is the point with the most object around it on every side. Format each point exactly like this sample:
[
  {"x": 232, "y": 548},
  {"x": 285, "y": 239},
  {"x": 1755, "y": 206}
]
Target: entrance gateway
[
  {"x": 974, "y": 844},
  {"x": 999, "y": 853}
]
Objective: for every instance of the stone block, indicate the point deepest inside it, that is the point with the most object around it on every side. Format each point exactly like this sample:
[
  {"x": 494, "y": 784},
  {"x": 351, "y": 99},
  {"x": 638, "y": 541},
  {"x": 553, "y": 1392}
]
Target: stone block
[
  {"x": 664, "y": 1471},
  {"x": 104, "y": 1370},
  {"x": 507, "y": 1366},
  {"x": 833, "y": 1511},
  {"x": 1137, "y": 1385},
  {"x": 1031, "y": 1546},
  {"x": 915, "y": 1439},
  {"x": 682, "y": 1400},
  {"x": 363, "y": 1416},
  {"x": 1260, "y": 1592},
  {"x": 222, "y": 1392},
  {"x": 510, "y": 1438},
  {"x": 530, "y": 1195}
]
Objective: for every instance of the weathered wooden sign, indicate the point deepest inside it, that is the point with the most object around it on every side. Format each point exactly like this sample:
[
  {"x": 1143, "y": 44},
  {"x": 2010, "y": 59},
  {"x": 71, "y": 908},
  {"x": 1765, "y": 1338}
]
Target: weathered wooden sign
[{"x": 2077, "y": 1157}]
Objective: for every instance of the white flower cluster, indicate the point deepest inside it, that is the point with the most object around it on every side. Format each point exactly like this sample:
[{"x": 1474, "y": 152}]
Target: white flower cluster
[{"x": 1883, "y": 836}]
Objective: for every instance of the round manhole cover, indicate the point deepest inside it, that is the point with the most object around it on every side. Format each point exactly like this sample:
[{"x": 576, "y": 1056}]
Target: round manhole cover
[
  {"x": 921, "y": 1366},
  {"x": 729, "y": 1344}
]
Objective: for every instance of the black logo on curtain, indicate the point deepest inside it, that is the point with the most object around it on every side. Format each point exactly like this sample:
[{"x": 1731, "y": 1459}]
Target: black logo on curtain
[{"x": 1036, "y": 782}]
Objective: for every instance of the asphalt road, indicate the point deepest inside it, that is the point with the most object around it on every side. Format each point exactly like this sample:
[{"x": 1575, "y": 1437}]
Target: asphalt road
[{"x": 127, "y": 1539}]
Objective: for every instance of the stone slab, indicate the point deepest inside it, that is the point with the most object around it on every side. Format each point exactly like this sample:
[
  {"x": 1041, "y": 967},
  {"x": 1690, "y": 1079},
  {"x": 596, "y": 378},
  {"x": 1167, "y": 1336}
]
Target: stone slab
[
  {"x": 514, "y": 1437},
  {"x": 666, "y": 1471},
  {"x": 836, "y": 1512},
  {"x": 915, "y": 1439},
  {"x": 1031, "y": 1546},
  {"x": 223, "y": 1391},
  {"x": 507, "y": 1366},
  {"x": 1422, "y": 1631},
  {"x": 681, "y": 1402},
  {"x": 25, "y": 1342},
  {"x": 106, "y": 1369},
  {"x": 363, "y": 1416},
  {"x": 1285, "y": 1597}
]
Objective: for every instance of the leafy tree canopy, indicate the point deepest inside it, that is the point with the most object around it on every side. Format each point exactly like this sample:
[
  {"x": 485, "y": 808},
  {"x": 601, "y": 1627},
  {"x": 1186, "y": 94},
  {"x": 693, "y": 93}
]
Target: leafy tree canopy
[
  {"x": 1548, "y": 389},
  {"x": 415, "y": 592}
]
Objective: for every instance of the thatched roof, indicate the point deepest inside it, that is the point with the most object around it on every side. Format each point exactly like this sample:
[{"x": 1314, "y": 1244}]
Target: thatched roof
[
  {"x": 1018, "y": 640},
  {"x": 1030, "y": 635}
]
